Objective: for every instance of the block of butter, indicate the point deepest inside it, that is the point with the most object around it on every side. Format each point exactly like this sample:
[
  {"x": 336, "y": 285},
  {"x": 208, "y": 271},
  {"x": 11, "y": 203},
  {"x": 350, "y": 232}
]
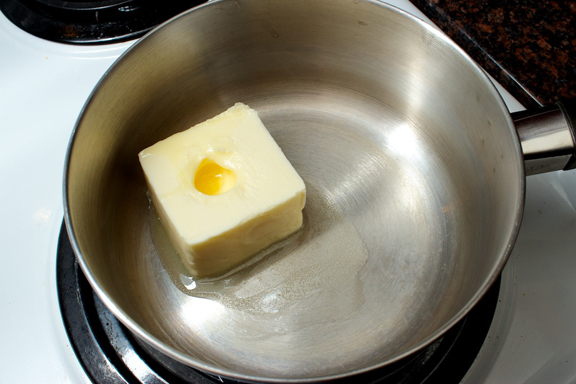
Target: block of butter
[{"x": 223, "y": 190}]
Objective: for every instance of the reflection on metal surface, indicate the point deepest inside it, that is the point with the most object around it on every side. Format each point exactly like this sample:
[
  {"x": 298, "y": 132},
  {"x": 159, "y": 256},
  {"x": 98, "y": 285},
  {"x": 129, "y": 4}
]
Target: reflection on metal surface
[
  {"x": 403, "y": 141},
  {"x": 202, "y": 312},
  {"x": 547, "y": 140}
]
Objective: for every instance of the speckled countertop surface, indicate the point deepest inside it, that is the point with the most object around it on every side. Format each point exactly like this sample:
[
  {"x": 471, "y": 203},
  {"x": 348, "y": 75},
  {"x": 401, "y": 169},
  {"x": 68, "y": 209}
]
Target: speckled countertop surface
[{"x": 528, "y": 46}]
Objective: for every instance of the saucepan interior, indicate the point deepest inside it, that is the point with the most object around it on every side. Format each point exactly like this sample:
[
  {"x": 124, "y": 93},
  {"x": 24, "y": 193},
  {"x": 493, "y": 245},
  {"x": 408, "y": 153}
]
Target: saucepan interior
[{"x": 412, "y": 167}]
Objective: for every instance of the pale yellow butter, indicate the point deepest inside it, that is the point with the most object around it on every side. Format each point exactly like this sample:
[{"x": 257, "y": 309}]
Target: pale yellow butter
[{"x": 223, "y": 190}]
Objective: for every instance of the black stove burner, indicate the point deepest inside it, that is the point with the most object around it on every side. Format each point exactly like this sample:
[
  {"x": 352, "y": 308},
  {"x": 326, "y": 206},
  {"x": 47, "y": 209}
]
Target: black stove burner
[
  {"x": 109, "y": 353},
  {"x": 92, "y": 21}
]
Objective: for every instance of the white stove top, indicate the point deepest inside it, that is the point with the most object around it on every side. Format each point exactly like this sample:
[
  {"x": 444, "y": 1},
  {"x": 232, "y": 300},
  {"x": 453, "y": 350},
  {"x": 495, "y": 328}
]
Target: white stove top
[{"x": 43, "y": 87}]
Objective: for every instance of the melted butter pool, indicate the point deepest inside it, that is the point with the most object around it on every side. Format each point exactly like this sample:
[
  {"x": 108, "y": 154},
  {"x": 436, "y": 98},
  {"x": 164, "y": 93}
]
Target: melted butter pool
[{"x": 313, "y": 264}]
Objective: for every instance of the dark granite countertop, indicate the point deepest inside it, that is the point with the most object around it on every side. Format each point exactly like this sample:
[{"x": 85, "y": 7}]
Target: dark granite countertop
[{"x": 528, "y": 46}]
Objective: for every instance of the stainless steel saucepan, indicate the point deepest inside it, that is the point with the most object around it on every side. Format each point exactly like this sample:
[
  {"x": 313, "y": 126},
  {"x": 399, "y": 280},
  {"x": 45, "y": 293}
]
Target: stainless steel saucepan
[{"x": 414, "y": 171}]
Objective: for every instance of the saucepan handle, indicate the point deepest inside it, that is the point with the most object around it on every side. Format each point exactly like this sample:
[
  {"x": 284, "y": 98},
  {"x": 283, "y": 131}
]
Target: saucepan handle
[{"x": 548, "y": 137}]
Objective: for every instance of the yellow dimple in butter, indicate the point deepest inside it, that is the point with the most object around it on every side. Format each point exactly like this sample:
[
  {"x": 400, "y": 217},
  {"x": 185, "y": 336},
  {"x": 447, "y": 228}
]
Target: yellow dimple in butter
[
  {"x": 212, "y": 179},
  {"x": 223, "y": 190}
]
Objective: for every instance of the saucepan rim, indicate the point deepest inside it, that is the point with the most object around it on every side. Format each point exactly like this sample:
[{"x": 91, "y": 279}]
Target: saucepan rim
[{"x": 143, "y": 334}]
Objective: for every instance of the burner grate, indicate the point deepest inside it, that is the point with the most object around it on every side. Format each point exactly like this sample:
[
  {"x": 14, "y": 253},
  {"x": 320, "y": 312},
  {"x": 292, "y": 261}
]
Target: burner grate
[{"x": 91, "y": 22}]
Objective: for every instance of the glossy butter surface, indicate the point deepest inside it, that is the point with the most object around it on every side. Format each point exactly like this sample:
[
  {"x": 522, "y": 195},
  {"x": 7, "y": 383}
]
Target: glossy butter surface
[{"x": 223, "y": 190}]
